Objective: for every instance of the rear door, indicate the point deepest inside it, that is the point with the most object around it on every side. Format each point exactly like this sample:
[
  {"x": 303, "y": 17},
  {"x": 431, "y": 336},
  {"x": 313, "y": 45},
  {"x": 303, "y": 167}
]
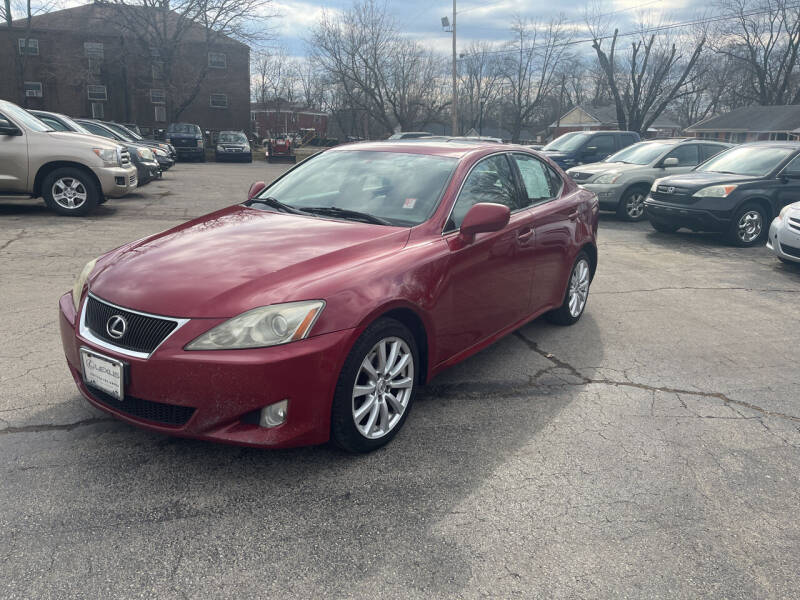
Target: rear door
[
  {"x": 13, "y": 160},
  {"x": 554, "y": 224}
]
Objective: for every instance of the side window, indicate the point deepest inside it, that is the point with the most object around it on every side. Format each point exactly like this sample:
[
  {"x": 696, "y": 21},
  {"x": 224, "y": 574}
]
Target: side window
[
  {"x": 709, "y": 150},
  {"x": 537, "y": 178},
  {"x": 626, "y": 140},
  {"x": 603, "y": 143},
  {"x": 97, "y": 130},
  {"x": 489, "y": 181},
  {"x": 686, "y": 155},
  {"x": 793, "y": 167},
  {"x": 57, "y": 125}
]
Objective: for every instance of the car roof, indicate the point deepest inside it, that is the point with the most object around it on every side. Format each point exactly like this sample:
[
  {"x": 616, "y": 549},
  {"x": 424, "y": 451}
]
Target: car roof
[
  {"x": 794, "y": 145},
  {"x": 453, "y": 147}
]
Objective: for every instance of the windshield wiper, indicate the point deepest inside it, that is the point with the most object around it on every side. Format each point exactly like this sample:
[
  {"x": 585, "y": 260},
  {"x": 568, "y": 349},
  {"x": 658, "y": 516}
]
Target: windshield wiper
[
  {"x": 276, "y": 204},
  {"x": 344, "y": 213}
]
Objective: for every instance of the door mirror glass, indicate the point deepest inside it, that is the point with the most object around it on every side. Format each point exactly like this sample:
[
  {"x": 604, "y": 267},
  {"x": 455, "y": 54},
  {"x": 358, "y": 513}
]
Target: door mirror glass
[
  {"x": 482, "y": 217},
  {"x": 8, "y": 128},
  {"x": 255, "y": 189},
  {"x": 671, "y": 162}
]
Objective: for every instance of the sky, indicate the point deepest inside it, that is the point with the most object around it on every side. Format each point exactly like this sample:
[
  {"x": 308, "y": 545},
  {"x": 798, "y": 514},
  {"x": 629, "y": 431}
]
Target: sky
[{"x": 487, "y": 20}]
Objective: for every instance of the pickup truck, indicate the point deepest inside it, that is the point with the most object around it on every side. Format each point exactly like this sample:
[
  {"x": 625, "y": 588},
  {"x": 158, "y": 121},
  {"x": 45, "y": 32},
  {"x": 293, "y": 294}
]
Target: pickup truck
[{"x": 73, "y": 172}]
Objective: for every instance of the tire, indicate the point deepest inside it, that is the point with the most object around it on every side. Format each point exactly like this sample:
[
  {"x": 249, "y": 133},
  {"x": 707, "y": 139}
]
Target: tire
[
  {"x": 83, "y": 194},
  {"x": 749, "y": 225},
  {"x": 355, "y": 427},
  {"x": 102, "y": 200},
  {"x": 631, "y": 205},
  {"x": 662, "y": 227},
  {"x": 580, "y": 278}
]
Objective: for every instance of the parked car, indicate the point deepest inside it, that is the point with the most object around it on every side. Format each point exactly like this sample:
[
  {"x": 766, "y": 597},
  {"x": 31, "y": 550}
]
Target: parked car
[
  {"x": 623, "y": 180},
  {"x": 233, "y": 145},
  {"x": 165, "y": 153},
  {"x": 188, "y": 141},
  {"x": 784, "y": 234},
  {"x": 134, "y": 128},
  {"x": 73, "y": 172},
  {"x": 142, "y": 156},
  {"x": 736, "y": 193},
  {"x": 580, "y": 147},
  {"x": 326, "y": 299},
  {"x": 409, "y": 135}
]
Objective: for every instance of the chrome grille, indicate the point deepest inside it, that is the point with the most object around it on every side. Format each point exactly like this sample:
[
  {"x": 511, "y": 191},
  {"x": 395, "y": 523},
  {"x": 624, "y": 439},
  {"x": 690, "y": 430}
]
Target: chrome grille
[
  {"x": 132, "y": 179},
  {"x": 143, "y": 333},
  {"x": 124, "y": 158},
  {"x": 790, "y": 250},
  {"x": 671, "y": 189},
  {"x": 794, "y": 223}
]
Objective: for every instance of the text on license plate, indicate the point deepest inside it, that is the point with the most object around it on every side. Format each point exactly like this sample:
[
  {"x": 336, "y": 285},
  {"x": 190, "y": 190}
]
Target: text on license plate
[{"x": 103, "y": 373}]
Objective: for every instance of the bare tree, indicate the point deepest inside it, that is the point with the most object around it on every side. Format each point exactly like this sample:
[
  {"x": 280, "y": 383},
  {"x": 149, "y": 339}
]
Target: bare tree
[
  {"x": 763, "y": 37},
  {"x": 529, "y": 69},
  {"x": 649, "y": 76},
  {"x": 393, "y": 80},
  {"x": 480, "y": 85}
]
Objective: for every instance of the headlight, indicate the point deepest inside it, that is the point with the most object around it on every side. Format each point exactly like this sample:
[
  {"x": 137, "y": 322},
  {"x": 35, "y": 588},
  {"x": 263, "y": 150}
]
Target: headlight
[
  {"x": 656, "y": 183},
  {"x": 261, "y": 327},
  {"x": 159, "y": 152},
  {"x": 77, "y": 288},
  {"x": 164, "y": 147},
  {"x": 220, "y": 149},
  {"x": 608, "y": 177},
  {"x": 784, "y": 211},
  {"x": 200, "y": 143},
  {"x": 109, "y": 156},
  {"x": 145, "y": 153},
  {"x": 715, "y": 191},
  {"x": 168, "y": 140}
]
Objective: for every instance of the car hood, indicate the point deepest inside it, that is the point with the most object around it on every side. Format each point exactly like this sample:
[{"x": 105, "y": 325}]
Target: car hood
[
  {"x": 97, "y": 141},
  {"x": 701, "y": 179},
  {"x": 604, "y": 167},
  {"x": 236, "y": 259}
]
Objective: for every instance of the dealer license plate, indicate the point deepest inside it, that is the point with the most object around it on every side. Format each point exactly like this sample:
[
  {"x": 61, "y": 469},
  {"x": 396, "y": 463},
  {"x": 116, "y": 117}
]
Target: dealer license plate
[{"x": 103, "y": 373}]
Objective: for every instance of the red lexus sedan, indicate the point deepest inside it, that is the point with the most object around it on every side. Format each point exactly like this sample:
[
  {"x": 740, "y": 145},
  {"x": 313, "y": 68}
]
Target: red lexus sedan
[{"x": 315, "y": 309}]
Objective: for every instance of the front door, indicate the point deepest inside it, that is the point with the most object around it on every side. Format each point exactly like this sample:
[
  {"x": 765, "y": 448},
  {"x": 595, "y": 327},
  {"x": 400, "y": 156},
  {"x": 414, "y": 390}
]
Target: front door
[
  {"x": 489, "y": 279},
  {"x": 13, "y": 161}
]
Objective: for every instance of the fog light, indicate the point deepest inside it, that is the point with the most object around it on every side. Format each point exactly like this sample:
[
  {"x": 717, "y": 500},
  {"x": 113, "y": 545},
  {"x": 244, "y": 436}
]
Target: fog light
[
  {"x": 274, "y": 414},
  {"x": 119, "y": 180}
]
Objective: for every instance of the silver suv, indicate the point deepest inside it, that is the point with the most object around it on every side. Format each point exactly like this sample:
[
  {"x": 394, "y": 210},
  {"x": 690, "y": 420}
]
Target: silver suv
[
  {"x": 623, "y": 180},
  {"x": 73, "y": 172}
]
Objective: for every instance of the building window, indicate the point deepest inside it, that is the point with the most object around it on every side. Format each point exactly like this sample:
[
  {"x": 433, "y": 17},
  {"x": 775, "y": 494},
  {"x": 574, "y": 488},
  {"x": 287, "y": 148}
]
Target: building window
[
  {"x": 32, "y": 49},
  {"x": 218, "y": 101},
  {"x": 97, "y": 110},
  {"x": 217, "y": 60},
  {"x": 161, "y": 114},
  {"x": 158, "y": 70},
  {"x": 33, "y": 89},
  {"x": 253, "y": 116},
  {"x": 157, "y": 97},
  {"x": 97, "y": 92},
  {"x": 93, "y": 49}
]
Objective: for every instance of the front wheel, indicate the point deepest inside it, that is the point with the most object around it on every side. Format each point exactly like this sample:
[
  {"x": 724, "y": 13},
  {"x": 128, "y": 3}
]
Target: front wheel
[
  {"x": 71, "y": 192},
  {"x": 376, "y": 387},
  {"x": 631, "y": 205},
  {"x": 576, "y": 295},
  {"x": 747, "y": 227}
]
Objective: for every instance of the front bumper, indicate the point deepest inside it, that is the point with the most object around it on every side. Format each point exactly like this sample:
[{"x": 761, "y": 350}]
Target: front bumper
[
  {"x": 147, "y": 171},
  {"x": 223, "y": 156},
  {"x": 783, "y": 242},
  {"x": 608, "y": 194},
  {"x": 164, "y": 162},
  {"x": 189, "y": 151},
  {"x": 117, "y": 181},
  {"x": 223, "y": 387},
  {"x": 696, "y": 219}
]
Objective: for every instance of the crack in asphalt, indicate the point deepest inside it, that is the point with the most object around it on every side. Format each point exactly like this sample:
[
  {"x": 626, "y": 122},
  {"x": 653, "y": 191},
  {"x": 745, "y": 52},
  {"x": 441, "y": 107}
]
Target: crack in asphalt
[
  {"x": 686, "y": 288},
  {"x": 61, "y": 427},
  {"x": 532, "y": 345},
  {"x": 16, "y": 238}
]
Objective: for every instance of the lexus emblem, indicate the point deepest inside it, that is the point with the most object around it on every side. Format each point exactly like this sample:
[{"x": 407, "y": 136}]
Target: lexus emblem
[{"x": 116, "y": 326}]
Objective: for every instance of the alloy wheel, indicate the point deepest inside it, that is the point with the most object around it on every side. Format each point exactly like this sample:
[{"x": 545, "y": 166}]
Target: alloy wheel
[
  {"x": 579, "y": 287},
  {"x": 634, "y": 207},
  {"x": 749, "y": 226},
  {"x": 69, "y": 193},
  {"x": 383, "y": 387}
]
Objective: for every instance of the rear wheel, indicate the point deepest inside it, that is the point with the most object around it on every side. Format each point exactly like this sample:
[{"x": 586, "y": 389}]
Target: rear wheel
[
  {"x": 376, "y": 387},
  {"x": 748, "y": 225},
  {"x": 631, "y": 205},
  {"x": 69, "y": 191},
  {"x": 576, "y": 295}
]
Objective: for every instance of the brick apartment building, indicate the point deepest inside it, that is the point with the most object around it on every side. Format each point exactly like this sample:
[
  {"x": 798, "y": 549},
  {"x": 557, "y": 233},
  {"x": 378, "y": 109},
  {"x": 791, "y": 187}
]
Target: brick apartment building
[
  {"x": 279, "y": 117},
  {"x": 78, "y": 62}
]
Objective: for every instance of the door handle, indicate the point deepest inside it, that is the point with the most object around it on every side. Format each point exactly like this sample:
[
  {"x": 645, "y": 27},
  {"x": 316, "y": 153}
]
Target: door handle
[{"x": 524, "y": 236}]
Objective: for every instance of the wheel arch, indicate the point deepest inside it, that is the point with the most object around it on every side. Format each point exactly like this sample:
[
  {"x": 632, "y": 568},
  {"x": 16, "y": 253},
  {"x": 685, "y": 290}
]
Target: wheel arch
[
  {"x": 763, "y": 202},
  {"x": 48, "y": 168},
  {"x": 591, "y": 250}
]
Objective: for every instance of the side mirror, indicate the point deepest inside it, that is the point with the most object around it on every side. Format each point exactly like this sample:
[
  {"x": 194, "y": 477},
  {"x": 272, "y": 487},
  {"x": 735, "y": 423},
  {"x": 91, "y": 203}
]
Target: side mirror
[
  {"x": 670, "y": 162},
  {"x": 484, "y": 216},
  {"x": 8, "y": 128},
  {"x": 255, "y": 189}
]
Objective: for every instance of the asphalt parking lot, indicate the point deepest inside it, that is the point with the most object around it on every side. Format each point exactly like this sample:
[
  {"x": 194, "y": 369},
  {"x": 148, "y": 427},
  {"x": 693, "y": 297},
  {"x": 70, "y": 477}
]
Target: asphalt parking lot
[{"x": 652, "y": 450}]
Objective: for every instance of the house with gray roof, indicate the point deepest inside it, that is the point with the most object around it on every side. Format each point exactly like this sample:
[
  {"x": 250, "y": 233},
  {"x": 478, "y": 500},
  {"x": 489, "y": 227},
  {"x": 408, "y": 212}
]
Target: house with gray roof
[
  {"x": 594, "y": 118},
  {"x": 750, "y": 124}
]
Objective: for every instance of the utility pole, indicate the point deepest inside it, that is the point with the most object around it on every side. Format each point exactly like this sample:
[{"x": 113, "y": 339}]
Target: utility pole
[{"x": 455, "y": 76}]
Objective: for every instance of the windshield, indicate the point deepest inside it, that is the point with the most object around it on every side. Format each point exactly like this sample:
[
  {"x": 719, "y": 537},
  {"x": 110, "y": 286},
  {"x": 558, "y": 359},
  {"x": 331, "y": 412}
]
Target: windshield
[
  {"x": 73, "y": 125},
  {"x": 183, "y": 128},
  {"x": 567, "y": 142},
  {"x": 747, "y": 160},
  {"x": 642, "y": 153},
  {"x": 228, "y": 138},
  {"x": 121, "y": 132},
  {"x": 129, "y": 132},
  {"x": 403, "y": 189},
  {"x": 25, "y": 118}
]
